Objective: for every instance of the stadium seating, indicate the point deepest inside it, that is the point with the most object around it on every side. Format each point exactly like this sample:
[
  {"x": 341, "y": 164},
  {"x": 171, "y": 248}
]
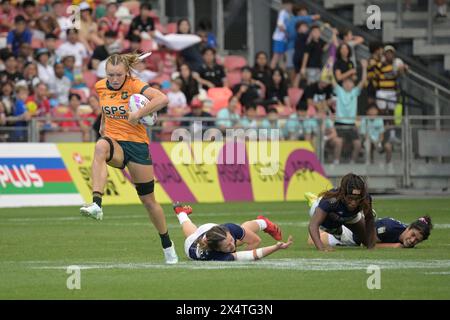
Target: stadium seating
[
  {"x": 233, "y": 63},
  {"x": 233, "y": 78},
  {"x": 90, "y": 78},
  {"x": 295, "y": 95},
  {"x": 219, "y": 97}
]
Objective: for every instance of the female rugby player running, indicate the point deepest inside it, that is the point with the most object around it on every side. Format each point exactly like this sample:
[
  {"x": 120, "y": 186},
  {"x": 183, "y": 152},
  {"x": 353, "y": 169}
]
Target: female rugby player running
[
  {"x": 390, "y": 233},
  {"x": 211, "y": 241},
  {"x": 348, "y": 205},
  {"x": 124, "y": 142}
]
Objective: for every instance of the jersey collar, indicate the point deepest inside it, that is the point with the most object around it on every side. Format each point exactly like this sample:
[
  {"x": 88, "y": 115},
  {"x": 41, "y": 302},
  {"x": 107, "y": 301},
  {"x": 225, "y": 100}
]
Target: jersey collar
[{"x": 111, "y": 88}]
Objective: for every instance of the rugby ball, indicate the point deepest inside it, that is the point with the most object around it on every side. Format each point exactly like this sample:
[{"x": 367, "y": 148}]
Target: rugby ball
[{"x": 138, "y": 101}]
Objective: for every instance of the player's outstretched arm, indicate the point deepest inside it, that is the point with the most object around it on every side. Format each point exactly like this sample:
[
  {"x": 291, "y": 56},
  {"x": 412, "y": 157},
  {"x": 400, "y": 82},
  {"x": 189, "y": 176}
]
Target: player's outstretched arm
[{"x": 256, "y": 254}]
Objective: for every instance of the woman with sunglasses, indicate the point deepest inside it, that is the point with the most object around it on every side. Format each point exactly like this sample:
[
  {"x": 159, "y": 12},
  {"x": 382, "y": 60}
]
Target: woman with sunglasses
[{"x": 348, "y": 205}]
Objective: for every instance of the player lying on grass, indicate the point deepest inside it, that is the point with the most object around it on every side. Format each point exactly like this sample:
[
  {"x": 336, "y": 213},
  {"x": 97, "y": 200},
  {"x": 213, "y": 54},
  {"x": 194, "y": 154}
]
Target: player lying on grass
[
  {"x": 390, "y": 233},
  {"x": 348, "y": 205},
  {"x": 211, "y": 241}
]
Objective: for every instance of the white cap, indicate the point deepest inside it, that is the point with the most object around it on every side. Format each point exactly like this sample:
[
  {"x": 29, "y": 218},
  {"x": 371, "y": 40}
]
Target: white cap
[{"x": 84, "y": 6}]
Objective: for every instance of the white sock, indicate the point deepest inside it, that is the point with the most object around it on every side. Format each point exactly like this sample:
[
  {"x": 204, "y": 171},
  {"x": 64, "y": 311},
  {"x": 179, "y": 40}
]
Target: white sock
[
  {"x": 262, "y": 224},
  {"x": 183, "y": 217}
]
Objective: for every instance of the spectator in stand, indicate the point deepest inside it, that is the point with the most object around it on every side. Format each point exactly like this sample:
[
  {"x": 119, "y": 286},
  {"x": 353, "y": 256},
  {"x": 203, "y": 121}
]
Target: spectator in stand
[
  {"x": 343, "y": 67},
  {"x": 110, "y": 21},
  {"x": 388, "y": 72},
  {"x": 228, "y": 118},
  {"x": 300, "y": 14},
  {"x": 197, "y": 112},
  {"x": 277, "y": 92},
  {"x": 135, "y": 44},
  {"x": 30, "y": 74},
  {"x": 50, "y": 45},
  {"x": 30, "y": 13},
  {"x": 60, "y": 87},
  {"x": 261, "y": 70},
  {"x": 64, "y": 22},
  {"x": 102, "y": 52},
  {"x": 7, "y": 14},
  {"x": 72, "y": 114},
  {"x": 205, "y": 32},
  {"x": 312, "y": 59},
  {"x": 25, "y": 53},
  {"x": 189, "y": 85},
  {"x": 191, "y": 55},
  {"x": 74, "y": 74},
  {"x": 21, "y": 114},
  {"x": 88, "y": 28},
  {"x": 143, "y": 23},
  {"x": 317, "y": 96},
  {"x": 73, "y": 47},
  {"x": 45, "y": 70},
  {"x": 211, "y": 74},
  {"x": 441, "y": 8},
  {"x": 250, "y": 119},
  {"x": 40, "y": 97},
  {"x": 4, "y": 134},
  {"x": 372, "y": 128},
  {"x": 376, "y": 51},
  {"x": 346, "y": 110},
  {"x": 271, "y": 122},
  {"x": 249, "y": 91},
  {"x": 353, "y": 41},
  {"x": 177, "y": 100},
  {"x": 332, "y": 140},
  {"x": 279, "y": 37},
  {"x": 20, "y": 34},
  {"x": 301, "y": 40},
  {"x": 294, "y": 127},
  {"x": 7, "y": 97},
  {"x": 46, "y": 23},
  {"x": 10, "y": 73}
]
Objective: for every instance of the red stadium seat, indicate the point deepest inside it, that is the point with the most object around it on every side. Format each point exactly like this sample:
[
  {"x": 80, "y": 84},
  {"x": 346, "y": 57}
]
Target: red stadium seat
[
  {"x": 90, "y": 78},
  {"x": 219, "y": 97},
  {"x": 147, "y": 45},
  {"x": 233, "y": 62},
  {"x": 171, "y": 27},
  {"x": 294, "y": 96},
  {"x": 233, "y": 78}
]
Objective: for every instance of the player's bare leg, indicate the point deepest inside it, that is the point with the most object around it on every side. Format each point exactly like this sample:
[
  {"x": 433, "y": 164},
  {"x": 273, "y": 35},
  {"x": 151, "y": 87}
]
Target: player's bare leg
[
  {"x": 107, "y": 151},
  {"x": 143, "y": 178}
]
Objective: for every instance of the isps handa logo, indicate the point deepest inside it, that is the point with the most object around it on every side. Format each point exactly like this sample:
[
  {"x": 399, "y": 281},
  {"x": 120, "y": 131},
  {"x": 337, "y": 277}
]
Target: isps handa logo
[
  {"x": 20, "y": 176},
  {"x": 115, "y": 112}
]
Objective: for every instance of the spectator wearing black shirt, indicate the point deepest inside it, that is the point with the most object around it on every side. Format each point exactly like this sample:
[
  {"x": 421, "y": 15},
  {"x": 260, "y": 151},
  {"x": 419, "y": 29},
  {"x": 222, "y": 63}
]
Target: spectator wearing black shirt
[
  {"x": 189, "y": 85},
  {"x": 261, "y": 70},
  {"x": 312, "y": 59},
  {"x": 300, "y": 48},
  {"x": 197, "y": 112},
  {"x": 343, "y": 67},
  {"x": 102, "y": 52},
  {"x": 143, "y": 22},
  {"x": 211, "y": 74},
  {"x": 10, "y": 73},
  {"x": 277, "y": 91},
  {"x": 317, "y": 95},
  {"x": 249, "y": 90}
]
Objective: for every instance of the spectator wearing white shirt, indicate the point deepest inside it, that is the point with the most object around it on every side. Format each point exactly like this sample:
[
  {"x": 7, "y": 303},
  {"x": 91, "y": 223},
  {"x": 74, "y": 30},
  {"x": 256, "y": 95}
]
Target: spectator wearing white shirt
[
  {"x": 45, "y": 71},
  {"x": 142, "y": 73},
  {"x": 60, "y": 87},
  {"x": 73, "y": 47},
  {"x": 63, "y": 21},
  {"x": 177, "y": 99},
  {"x": 279, "y": 37}
]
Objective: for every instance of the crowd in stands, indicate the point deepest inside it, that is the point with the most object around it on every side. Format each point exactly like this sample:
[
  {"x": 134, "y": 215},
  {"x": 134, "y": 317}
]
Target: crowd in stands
[{"x": 48, "y": 69}]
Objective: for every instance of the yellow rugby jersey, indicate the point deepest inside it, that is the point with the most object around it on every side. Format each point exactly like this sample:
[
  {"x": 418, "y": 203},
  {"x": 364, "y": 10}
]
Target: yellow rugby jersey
[
  {"x": 114, "y": 104},
  {"x": 387, "y": 77}
]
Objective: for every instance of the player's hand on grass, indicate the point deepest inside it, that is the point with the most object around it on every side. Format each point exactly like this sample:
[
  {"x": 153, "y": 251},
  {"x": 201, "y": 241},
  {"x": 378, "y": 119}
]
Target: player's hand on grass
[
  {"x": 133, "y": 118},
  {"x": 285, "y": 245}
]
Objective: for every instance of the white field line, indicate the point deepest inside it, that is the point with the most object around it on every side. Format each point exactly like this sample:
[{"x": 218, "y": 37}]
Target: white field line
[{"x": 275, "y": 264}]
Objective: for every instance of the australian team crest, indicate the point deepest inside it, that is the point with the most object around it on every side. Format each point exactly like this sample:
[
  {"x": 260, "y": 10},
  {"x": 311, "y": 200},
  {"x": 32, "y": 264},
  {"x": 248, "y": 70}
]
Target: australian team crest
[{"x": 125, "y": 95}]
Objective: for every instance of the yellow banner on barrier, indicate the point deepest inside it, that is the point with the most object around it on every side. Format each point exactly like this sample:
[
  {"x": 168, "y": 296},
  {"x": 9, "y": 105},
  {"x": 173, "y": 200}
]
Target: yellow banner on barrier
[{"x": 118, "y": 190}]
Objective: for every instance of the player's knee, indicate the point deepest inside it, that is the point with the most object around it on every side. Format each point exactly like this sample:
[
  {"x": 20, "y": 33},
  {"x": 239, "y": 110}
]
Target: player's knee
[
  {"x": 145, "y": 188},
  {"x": 102, "y": 148}
]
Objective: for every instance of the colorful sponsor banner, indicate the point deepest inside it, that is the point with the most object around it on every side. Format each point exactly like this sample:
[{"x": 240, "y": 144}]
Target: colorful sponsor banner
[
  {"x": 34, "y": 175},
  {"x": 212, "y": 172}
]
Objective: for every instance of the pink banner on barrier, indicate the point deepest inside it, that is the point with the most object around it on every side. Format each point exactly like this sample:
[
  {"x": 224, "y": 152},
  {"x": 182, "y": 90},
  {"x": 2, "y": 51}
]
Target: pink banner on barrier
[
  {"x": 234, "y": 179},
  {"x": 168, "y": 176},
  {"x": 300, "y": 162}
]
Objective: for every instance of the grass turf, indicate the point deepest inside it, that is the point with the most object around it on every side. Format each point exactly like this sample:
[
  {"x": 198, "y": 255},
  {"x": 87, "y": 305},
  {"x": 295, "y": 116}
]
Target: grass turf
[{"x": 123, "y": 257}]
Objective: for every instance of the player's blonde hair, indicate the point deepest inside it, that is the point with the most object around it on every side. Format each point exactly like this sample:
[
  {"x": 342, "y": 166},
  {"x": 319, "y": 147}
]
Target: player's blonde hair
[{"x": 129, "y": 60}]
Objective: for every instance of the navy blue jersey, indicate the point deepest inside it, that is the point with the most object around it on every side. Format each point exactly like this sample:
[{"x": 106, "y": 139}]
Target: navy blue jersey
[
  {"x": 388, "y": 230},
  {"x": 337, "y": 212},
  {"x": 236, "y": 231}
]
